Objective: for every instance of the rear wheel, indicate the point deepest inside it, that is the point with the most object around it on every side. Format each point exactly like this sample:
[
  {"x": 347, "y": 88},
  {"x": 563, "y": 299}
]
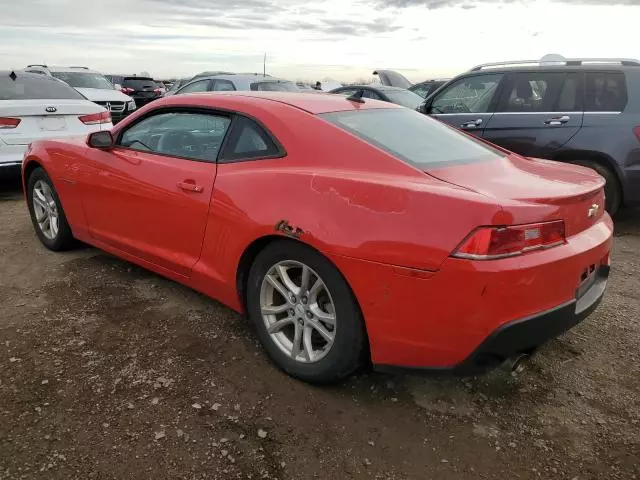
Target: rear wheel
[
  {"x": 305, "y": 314},
  {"x": 612, "y": 188},
  {"x": 47, "y": 215}
]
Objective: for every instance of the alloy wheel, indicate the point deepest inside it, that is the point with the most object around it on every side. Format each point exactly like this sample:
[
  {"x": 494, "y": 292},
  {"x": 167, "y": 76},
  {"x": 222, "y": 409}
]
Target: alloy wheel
[
  {"x": 46, "y": 210},
  {"x": 298, "y": 311}
]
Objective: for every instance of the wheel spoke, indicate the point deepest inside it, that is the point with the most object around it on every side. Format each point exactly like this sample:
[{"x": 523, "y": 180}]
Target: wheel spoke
[
  {"x": 274, "y": 309},
  {"x": 54, "y": 225},
  {"x": 40, "y": 196},
  {"x": 306, "y": 343},
  {"x": 279, "y": 287},
  {"x": 315, "y": 289},
  {"x": 286, "y": 279},
  {"x": 46, "y": 224},
  {"x": 326, "y": 317},
  {"x": 41, "y": 202},
  {"x": 275, "y": 327},
  {"x": 297, "y": 337},
  {"x": 40, "y": 215},
  {"x": 304, "y": 278},
  {"x": 318, "y": 327}
]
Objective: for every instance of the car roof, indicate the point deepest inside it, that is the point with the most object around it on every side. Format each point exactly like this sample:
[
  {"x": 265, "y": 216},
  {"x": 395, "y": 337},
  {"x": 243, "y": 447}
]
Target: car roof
[
  {"x": 22, "y": 73},
  {"x": 56, "y": 69},
  {"x": 248, "y": 78},
  {"x": 315, "y": 103},
  {"x": 139, "y": 78}
]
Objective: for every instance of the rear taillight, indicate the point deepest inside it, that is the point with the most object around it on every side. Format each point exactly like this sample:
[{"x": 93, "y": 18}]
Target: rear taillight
[
  {"x": 126, "y": 90},
  {"x": 637, "y": 132},
  {"x": 96, "y": 118},
  {"x": 8, "y": 122},
  {"x": 490, "y": 243},
  {"x": 157, "y": 91}
]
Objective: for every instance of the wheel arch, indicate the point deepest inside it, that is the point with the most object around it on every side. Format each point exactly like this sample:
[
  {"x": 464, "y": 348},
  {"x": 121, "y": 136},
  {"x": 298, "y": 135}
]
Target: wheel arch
[
  {"x": 254, "y": 248},
  {"x": 29, "y": 165}
]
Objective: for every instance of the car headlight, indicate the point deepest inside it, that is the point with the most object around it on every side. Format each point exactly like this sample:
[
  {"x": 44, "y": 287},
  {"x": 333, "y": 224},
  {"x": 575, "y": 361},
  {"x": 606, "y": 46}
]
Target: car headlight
[{"x": 131, "y": 105}]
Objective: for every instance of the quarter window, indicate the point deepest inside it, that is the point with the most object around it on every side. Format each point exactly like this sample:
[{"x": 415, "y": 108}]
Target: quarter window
[
  {"x": 605, "y": 92},
  {"x": 467, "y": 95},
  {"x": 249, "y": 140},
  {"x": 196, "y": 136},
  {"x": 370, "y": 94}
]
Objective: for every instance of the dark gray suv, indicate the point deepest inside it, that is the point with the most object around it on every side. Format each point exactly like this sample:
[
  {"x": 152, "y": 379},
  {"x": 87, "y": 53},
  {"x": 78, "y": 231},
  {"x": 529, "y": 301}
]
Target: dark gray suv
[{"x": 583, "y": 111}]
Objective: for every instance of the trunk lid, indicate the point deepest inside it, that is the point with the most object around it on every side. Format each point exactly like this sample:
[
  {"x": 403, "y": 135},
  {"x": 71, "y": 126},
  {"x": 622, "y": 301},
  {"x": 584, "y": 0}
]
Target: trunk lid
[
  {"x": 37, "y": 123},
  {"x": 562, "y": 191}
]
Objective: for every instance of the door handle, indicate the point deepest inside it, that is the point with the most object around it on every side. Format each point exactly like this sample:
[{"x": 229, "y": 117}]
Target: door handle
[
  {"x": 472, "y": 124},
  {"x": 189, "y": 186},
  {"x": 557, "y": 120}
]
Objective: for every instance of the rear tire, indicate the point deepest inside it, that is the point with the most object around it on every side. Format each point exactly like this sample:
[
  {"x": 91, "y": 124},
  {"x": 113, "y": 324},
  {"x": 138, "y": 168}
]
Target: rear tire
[
  {"x": 47, "y": 215},
  {"x": 316, "y": 360},
  {"x": 612, "y": 190}
]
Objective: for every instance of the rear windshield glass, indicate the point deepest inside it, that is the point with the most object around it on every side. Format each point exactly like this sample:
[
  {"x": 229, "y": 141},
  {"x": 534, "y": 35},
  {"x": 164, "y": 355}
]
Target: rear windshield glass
[
  {"x": 84, "y": 80},
  {"x": 405, "y": 98},
  {"x": 138, "y": 84},
  {"x": 412, "y": 137},
  {"x": 28, "y": 87},
  {"x": 274, "y": 87}
]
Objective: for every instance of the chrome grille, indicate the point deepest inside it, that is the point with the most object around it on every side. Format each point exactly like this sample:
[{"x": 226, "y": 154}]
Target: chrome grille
[{"x": 113, "y": 106}]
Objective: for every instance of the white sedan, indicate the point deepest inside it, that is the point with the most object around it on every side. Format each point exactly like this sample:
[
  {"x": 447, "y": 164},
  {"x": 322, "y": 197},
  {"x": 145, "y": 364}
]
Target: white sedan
[{"x": 35, "y": 107}]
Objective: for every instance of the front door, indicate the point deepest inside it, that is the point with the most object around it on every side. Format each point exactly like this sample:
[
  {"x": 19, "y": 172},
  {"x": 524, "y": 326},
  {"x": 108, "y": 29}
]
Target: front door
[
  {"x": 468, "y": 103},
  {"x": 538, "y": 113},
  {"x": 149, "y": 196}
]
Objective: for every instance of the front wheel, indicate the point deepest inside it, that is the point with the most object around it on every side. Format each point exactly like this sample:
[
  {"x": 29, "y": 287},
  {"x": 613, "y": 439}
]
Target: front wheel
[
  {"x": 305, "y": 314},
  {"x": 47, "y": 215}
]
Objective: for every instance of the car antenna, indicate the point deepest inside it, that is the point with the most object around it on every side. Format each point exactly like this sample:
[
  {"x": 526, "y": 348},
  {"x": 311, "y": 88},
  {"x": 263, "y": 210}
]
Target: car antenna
[
  {"x": 356, "y": 97},
  {"x": 13, "y": 75}
]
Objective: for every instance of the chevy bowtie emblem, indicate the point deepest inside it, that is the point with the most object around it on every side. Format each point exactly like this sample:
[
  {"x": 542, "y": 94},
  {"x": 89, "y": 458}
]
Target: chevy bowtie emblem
[{"x": 593, "y": 210}]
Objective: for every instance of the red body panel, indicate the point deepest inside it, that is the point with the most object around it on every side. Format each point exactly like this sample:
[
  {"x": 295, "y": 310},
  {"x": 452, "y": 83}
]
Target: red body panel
[{"x": 388, "y": 227}]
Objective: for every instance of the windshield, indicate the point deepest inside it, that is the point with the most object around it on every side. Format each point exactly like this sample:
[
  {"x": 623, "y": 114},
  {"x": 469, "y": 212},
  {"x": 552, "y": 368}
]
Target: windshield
[
  {"x": 138, "y": 83},
  {"x": 412, "y": 137},
  {"x": 29, "y": 87},
  {"x": 274, "y": 87},
  {"x": 405, "y": 98},
  {"x": 84, "y": 80}
]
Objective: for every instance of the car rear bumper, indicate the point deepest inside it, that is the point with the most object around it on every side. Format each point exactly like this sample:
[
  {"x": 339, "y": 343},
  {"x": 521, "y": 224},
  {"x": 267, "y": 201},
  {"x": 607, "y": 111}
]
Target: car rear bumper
[
  {"x": 11, "y": 155},
  {"x": 467, "y": 313},
  {"x": 526, "y": 335}
]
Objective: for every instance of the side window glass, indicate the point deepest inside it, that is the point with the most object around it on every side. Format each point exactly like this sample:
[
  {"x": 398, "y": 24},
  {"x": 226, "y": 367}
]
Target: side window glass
[
  {"x": 467, "y": 95},
  {"x": 196, "y": 136},
  {"x": 568, "y": 101},
  {"x": 532, "y": 92},
  {"x": 223, "y": 86},
  {"x": 249, "y": 140},
  {"x": 421, "y": 90},
  {"x": 605, "y": 92},
  {"x": 199, "y": 86},
  {"x": 370, "y": 94}
]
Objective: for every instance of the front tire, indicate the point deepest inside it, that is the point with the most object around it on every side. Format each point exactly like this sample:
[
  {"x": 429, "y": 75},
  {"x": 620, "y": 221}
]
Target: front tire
[
  {"x": 305, "y": 314},
  {"x": 47, "y": 215}
]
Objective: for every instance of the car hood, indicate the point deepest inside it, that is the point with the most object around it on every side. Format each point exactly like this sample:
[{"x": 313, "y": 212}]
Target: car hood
[{"x": 103, "y": 95}]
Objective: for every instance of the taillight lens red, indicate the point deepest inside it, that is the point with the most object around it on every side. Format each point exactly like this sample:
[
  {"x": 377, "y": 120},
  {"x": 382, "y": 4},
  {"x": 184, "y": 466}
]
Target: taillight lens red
[
  {"x": 96, "y": 118},
  {"x": 126, "y": 90},
  {"x": 490, "y": 243},
  {"x": 8, "y": 122},
  {"x": 636, "y": 130}
]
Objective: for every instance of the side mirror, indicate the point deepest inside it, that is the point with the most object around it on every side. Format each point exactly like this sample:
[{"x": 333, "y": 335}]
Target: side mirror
[
  {"x": 103, "y": 140},
  {"x": 425, "y": 107},
  {"x": 118, "y": 86}
]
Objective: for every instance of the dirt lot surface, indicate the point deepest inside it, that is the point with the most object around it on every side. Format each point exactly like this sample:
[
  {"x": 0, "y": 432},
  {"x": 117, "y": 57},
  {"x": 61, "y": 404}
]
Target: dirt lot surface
[{"x": 108, "y": 371}]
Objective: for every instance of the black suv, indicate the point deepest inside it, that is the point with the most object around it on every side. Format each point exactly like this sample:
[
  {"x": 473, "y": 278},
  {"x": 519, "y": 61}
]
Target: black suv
[
  {"x": 583, "y": 111},
  {"x": 142, "y": 89}
]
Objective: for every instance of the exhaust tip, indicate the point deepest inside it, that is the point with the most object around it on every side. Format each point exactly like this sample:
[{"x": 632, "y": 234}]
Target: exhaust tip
[{"x": 515, "y": 364}]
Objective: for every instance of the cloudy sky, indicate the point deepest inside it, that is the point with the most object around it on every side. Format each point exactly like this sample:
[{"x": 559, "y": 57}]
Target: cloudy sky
[{"x": 343, "y": 39}]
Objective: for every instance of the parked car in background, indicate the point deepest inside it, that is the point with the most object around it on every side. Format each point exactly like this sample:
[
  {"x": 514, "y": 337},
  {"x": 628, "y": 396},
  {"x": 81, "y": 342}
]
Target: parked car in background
[
  {"x": 142, "y": 89},
  {"x": 216, "y": 192},
  {"x": 35, "y": 107},
  {"x": 399, "y": 96},
  {"x": 582, "y": 111},
  {"x": 426, "y": 88},
  {"x": 93, "y": 85},
  {"x": 391, "y": 78},
  {"x": 225, "y": 83}
]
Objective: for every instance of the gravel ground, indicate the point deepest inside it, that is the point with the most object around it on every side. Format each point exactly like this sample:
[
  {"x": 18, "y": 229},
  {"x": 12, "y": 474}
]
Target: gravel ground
[{"x": 108, "y": 371}]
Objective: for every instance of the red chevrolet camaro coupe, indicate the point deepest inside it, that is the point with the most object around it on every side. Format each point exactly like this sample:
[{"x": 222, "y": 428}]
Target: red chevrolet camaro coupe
[{"x": 347, "y": 230}]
